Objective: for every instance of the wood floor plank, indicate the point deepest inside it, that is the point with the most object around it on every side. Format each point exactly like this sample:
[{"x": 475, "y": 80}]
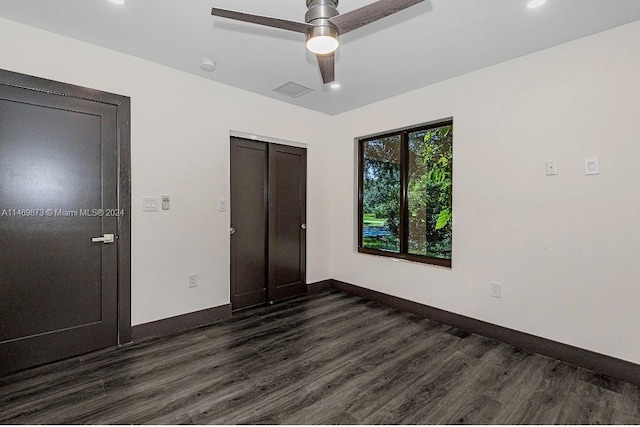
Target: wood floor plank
[
  {"x": 414, "y": 392},
  {"x": 334, "y": 388},
  {"x": 489, "y": 374},
  {"x": 330, "y": 358},
  {"x": 587, "y": 404},
  {"x": 541, "y": 400},
  {"x": 629, "y": 402},
  {"x": 300, "y": 370}
]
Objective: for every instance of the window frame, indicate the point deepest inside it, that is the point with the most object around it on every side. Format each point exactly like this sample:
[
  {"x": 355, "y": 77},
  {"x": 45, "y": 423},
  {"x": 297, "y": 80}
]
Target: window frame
[{"x": 404, "y": 199}]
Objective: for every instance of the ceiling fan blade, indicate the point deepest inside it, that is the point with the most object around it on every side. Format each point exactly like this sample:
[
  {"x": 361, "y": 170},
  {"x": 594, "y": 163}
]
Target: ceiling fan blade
[
  {"x": 327, "y": 65},
  {"x": 298, "y": 27},
  {"x": 365, "y": 15}
]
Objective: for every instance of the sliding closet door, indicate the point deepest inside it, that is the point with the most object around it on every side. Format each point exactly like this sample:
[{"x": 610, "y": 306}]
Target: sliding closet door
[
  {"x": 287, "y": 217},
  {"x": 268, "y": 211},
  {"x": 249, "y": 223}
]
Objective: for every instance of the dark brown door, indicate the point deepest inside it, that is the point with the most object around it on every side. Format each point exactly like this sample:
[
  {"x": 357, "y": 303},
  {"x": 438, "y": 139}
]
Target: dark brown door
[
  {"x": 268, "y": 210},
  {"x": 249, "y": 223},
  {"x": 287, "y": 221},
  {"x": 58, "y": 170}
]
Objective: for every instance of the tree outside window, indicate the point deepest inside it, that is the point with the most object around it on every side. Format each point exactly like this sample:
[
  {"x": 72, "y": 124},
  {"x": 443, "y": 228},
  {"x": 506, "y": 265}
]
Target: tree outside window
[{"x": 405, "y": 189}]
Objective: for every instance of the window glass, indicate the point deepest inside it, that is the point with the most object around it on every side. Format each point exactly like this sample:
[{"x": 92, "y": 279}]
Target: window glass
[
  {"x": 429, "y": 192},
  {"x": 381, "y": 194}
]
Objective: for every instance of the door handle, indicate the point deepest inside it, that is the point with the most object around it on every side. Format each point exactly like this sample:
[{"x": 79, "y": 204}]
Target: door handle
[
  {"x": 107, "y": 238},
  {"x": 232, "y": 231},
  {"x": 304, "y": 226}
]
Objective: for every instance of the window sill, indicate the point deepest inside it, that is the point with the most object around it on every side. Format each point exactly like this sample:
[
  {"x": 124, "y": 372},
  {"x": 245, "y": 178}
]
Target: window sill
[{"x": 407, "y": 257}]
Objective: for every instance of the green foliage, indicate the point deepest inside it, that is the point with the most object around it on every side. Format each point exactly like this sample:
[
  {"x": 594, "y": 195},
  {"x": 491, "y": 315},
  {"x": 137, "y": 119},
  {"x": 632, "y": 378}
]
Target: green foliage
[
  {"x": 389, "y": 243},
  {"x": 443, "y": 219},
  {"x": 438, "y": 158},
  {"x": 429, "y": 192},
  {"x": 372, "y": 220}
]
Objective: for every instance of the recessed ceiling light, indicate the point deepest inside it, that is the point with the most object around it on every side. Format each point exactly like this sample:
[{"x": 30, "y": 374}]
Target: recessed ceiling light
[
  {"x": 207, "y": 64},
  {"x": 335, "y": 86},
  {"x": 535, "y": 3},
  {"x": 118, "y": 2}
]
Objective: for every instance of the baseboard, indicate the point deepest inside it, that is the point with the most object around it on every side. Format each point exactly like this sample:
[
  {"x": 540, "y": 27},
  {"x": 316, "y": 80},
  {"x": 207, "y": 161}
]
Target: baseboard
[
  {"x": 597, "y": 362},
  {"x": 317, "y": 287},
  {"x": 180, "y": 323}
]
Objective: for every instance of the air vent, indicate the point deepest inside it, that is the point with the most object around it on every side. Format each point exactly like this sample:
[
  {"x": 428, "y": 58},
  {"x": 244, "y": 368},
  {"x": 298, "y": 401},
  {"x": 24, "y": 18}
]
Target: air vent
[{"x": 293, "y": 89}]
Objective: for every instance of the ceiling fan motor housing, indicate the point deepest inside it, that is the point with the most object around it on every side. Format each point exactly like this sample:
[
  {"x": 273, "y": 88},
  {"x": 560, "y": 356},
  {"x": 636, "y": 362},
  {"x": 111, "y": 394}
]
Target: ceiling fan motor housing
[
  {"x": 318, "y": 15},
  {"x": 321, "y": 9}
]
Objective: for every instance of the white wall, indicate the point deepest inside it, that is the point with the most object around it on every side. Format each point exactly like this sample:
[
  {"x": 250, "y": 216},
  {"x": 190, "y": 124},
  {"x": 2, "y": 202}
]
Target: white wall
[
  {"x": 180, "y": 146},
  {"x": 566, "y": 248}
]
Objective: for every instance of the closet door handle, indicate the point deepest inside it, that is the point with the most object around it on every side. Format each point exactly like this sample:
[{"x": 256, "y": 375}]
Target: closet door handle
[
  {"x": 232, "y": 231},
  {"x": 304, "y": 226}
]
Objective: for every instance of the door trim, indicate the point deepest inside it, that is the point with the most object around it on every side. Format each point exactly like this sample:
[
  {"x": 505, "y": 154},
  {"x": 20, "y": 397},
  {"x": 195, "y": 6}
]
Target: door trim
[{"x": 123, "y": 107}]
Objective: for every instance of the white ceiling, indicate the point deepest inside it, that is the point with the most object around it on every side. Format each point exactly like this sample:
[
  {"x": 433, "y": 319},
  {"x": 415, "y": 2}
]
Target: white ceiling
[{"x": 427, "y": 43}]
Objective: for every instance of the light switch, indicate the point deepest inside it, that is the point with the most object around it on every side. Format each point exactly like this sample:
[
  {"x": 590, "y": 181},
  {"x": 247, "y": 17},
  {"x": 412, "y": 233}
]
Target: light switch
[
  {"x": 551, "y": 167},
  {"x": 222, "y": 205},
  {"x": 592, "y": 166},
  {"x": 149, "y": 204}
]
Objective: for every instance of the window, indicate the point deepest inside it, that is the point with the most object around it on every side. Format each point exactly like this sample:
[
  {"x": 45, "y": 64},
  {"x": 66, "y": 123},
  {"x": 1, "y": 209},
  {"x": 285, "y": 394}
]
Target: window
[{"x": 405, "y": 185}]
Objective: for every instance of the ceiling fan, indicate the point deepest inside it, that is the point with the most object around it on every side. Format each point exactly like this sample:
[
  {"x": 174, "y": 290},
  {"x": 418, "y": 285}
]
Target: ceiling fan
[{"x": 324, "y": 25}]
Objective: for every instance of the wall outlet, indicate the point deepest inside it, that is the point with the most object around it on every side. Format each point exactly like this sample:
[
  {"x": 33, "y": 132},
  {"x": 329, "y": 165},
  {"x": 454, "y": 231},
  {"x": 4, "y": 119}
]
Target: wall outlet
[
  {"x": 193, "y": 280},
  {"x": 496, "y": 290}
]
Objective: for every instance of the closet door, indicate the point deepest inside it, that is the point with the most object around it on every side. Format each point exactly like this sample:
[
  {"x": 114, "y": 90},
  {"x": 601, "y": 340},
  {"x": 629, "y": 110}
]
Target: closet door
[
  {"x": 249, "y": 178},
  {"x": 268, "y": 211},
  {"x": 287, "y": 221}
]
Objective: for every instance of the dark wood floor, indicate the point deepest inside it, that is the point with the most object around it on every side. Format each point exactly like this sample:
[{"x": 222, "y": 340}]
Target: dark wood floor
[{"x": 329, "y": 359}]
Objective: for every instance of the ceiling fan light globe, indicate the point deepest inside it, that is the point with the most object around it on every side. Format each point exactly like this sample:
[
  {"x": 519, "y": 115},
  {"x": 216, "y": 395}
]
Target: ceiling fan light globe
[
  {"x": 323, "y": 45},
  {"x": 534, "y": 4}
]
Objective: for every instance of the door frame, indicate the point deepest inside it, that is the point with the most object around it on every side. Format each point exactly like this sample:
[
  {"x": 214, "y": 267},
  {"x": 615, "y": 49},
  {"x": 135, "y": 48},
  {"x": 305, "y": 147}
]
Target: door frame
[{"x": 123, "y": 108}]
